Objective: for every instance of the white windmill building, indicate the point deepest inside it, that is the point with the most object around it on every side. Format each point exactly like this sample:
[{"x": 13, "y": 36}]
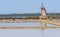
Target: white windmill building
[{"x": 43, "y": 11}]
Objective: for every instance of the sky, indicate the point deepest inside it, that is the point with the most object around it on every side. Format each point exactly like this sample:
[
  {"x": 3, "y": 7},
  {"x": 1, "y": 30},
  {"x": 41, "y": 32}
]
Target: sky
[{"x": 28, "y": 6}]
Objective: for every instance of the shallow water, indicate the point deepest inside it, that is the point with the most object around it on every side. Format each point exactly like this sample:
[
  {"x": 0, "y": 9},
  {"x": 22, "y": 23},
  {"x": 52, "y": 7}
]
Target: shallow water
[
  {"x": 21, "y": 24},
  {"x": 29, "y": 32}
]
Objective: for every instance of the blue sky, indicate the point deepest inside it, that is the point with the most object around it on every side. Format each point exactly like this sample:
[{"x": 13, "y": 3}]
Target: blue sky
[{"x": 28, "y": 6}]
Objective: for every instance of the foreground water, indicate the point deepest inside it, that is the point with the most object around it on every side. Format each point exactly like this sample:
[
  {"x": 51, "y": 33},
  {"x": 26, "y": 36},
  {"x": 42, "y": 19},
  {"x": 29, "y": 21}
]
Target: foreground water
[{"x": 29, "y": 32}]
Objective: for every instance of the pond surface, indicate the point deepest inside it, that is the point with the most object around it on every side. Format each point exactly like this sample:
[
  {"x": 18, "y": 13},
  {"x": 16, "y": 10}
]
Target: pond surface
[{"x": 29, "y": 32}]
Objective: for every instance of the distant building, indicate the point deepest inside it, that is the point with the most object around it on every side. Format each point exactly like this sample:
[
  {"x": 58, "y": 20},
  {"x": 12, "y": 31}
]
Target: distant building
[{"x": 43, "y": 11}]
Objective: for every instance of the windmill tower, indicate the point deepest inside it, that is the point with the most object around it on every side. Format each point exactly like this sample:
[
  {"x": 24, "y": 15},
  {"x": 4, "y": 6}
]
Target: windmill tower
[{"x": 43, "y": 11}]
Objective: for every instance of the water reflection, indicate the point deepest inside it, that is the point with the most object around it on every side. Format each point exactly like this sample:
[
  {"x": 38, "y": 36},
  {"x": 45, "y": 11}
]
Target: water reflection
[
  {"x": 55, "y": 32},
  {"x": 52, "y": 32},
  {"x": 30, "y": 33},
  {"x": 21, "y": 24}
]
